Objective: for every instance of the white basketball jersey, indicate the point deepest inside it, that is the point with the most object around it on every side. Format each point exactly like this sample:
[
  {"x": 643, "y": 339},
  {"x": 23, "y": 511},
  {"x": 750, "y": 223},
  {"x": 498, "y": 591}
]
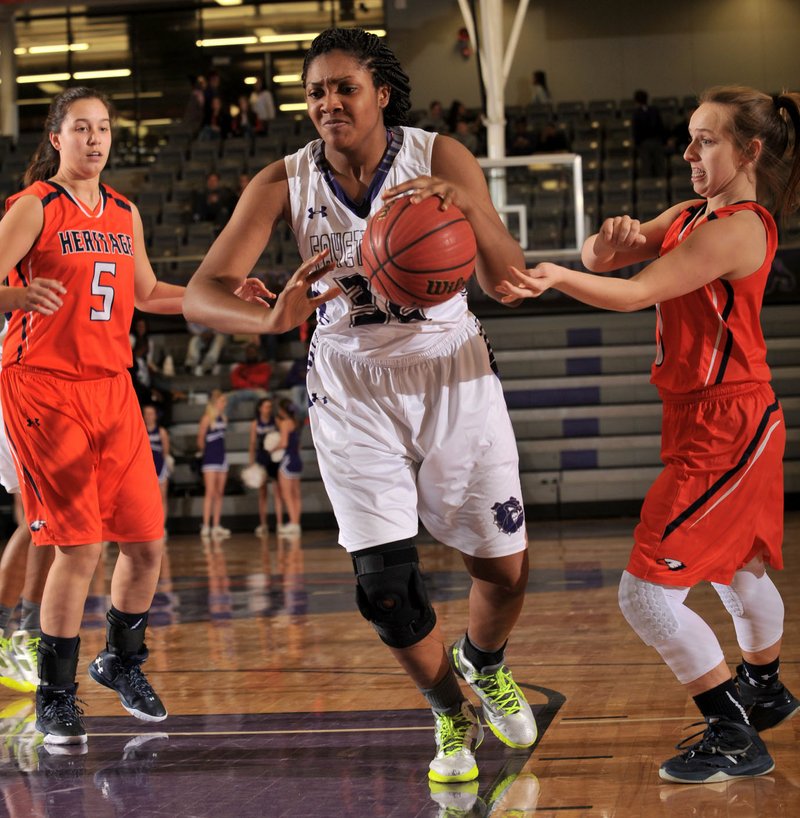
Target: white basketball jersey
[{"x": 360, "y": 321}]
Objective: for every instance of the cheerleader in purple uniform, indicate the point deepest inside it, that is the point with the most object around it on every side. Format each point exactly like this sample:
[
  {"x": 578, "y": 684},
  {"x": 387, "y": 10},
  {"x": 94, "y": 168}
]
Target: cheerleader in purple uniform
[
  {"x": 159, "y": 445},
  {"x": 211, "y": 442},
  {"x": 291, "y": 465},
  {"x": 263, "y": 425}
]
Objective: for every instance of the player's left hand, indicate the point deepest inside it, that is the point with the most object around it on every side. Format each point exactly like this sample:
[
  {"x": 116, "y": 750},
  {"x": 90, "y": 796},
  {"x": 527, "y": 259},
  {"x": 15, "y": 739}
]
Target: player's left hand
[
  {"x": 255, "y": 291},
  {"x": 423, "y": 187},
  {"x": 294, "y": 303},
  {"x": 528, "y": 283}
]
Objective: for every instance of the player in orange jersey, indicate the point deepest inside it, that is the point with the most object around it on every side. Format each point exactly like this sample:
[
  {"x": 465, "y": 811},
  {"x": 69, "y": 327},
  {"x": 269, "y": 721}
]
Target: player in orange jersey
[
  {"x": 716, "y": 511},
  {"x": 76, "y": 250}
]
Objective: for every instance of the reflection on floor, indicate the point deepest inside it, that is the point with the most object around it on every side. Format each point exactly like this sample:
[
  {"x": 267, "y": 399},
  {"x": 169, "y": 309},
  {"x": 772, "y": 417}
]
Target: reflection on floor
[{"x": 350, "y": 765}]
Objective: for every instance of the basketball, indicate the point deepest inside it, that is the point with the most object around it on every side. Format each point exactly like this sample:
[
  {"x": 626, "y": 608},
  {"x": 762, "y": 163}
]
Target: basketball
[{"x": 416, "y": 255}]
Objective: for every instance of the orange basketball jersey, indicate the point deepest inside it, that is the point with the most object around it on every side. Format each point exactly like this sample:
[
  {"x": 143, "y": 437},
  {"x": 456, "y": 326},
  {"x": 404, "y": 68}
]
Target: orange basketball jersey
[
  {"x": 91, "y": 254},
  {"x": 713, "y": 335}
]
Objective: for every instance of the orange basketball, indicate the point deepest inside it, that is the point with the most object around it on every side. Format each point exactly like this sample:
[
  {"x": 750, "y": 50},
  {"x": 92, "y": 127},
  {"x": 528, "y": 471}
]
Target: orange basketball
[{"x": 416, "y": 255}]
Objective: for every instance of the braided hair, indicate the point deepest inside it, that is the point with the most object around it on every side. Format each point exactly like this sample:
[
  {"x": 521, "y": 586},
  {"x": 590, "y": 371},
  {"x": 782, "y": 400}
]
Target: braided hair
[
  {"x": 45, "y": 161},
  {"x": 377, "y": 58}
]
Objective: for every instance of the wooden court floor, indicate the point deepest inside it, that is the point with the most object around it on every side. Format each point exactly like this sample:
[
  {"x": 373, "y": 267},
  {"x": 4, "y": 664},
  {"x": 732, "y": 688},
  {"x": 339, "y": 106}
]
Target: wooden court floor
[{"x": 284, "y": 703}]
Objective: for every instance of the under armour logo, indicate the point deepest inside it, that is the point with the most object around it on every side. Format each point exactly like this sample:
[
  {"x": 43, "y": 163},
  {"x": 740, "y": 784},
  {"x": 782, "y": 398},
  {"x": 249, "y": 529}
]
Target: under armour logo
[
  {"x": 315, "y": 398},
  {"x": 33, "y": 422},
  {"x": 323, "y": 212}
]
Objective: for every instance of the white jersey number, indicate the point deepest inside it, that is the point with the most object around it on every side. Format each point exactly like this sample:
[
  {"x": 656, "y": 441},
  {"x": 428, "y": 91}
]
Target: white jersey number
[{"x": 105, "y": 291}]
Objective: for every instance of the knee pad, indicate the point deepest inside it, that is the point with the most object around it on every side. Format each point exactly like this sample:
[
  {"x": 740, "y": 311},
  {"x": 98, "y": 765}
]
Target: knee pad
[
  {"x": 647, "y": 609},
  {"x": 658, "y": 615},
  {"x": 391, "y": 595},
  {"x": 755, "y": 605}
]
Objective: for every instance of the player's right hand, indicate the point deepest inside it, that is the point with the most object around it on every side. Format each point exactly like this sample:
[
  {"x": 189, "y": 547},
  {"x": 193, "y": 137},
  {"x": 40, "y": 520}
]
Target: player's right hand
[
  {"x": 620, "y": 233},
  {"x": 42, "y": 295},
  {"x": 295, "y": 303}
]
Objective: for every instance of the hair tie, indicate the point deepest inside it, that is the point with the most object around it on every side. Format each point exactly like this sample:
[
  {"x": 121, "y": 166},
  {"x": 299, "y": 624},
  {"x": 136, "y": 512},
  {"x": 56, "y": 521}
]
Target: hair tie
[{"x": 778, "y": 101}]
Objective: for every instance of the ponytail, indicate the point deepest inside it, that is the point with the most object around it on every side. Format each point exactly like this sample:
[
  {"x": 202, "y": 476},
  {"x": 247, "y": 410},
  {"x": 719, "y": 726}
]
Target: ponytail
[
  {"x": 789, "y": 199},
  {"x": 44, "y": 162}
]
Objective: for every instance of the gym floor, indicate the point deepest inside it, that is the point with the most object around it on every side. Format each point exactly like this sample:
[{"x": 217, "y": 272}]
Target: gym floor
[{"x": 283, "y": 702}]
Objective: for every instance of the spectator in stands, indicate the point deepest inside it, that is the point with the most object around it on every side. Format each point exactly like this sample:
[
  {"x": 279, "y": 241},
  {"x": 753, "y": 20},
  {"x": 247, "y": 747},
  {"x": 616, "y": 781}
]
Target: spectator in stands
[
  {"x": 211, "y": 89},
  {"x": 552, "y": 139},
  {"x": 263, "y": 104},
  {"x": 214, "y": 464},
  {"x": 215, "y": 203},
  {"x": 540, "y": 93},
  {"x": 245, "y": 123},
  {"x": 648, "y": 136},
  {"x": 434, "y": 119},
  {"x": 217, "y": 121},
  {"x": 291, "y": 465},
  {"x": 159, "y": 445},
  {"x": 466, "y": 135},
  {"x": 457, "y": 112},
  {"x": 139, "y": 331},
  {"x": 678, "y": 134},
  {"x": 521, "y": 140},
  {"x": 205, "y": 347},
  {"x": 195, "y": 105},
  {"x": 149, "y": 387},
  {"x": 249, "y": 379},
  {"x": 263, "y": 423},
  {"x": 244, "y": 181}
]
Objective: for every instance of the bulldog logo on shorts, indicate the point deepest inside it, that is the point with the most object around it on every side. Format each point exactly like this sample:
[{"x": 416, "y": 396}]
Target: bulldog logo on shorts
[{"x": 509, "y": 516}]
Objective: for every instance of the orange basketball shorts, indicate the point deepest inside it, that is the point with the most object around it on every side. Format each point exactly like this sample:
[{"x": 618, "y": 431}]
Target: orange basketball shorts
[
  {"x": 719, "y": 501},
  {"x": 83, "y": 458}
]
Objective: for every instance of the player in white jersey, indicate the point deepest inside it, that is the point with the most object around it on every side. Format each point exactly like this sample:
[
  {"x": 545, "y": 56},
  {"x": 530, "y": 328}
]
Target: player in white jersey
[{"x": 406, "y": 409}]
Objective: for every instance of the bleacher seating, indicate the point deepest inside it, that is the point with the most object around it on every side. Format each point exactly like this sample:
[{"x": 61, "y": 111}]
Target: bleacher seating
[{"x": 586, "y": 418}]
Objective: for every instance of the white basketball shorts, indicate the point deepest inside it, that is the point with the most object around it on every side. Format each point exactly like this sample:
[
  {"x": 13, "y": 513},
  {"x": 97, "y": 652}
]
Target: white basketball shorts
[
  {"x": 425, "y": 436},
  {"x": 8, "y": 474}
]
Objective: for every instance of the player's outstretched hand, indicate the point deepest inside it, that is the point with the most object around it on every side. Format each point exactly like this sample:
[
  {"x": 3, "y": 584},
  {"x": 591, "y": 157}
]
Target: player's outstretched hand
[
  {"x": 295, "y": 304},
  {"x": 528, "y": 283},
  {"x": 255, "y": 291},
  {"x": 42, "y": 295},
  {"x": 423, "y": 187}
]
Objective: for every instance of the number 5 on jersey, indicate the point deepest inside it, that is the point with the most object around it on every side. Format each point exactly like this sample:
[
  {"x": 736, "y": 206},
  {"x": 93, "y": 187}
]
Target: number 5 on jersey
[{"x": 105, "y": 291}]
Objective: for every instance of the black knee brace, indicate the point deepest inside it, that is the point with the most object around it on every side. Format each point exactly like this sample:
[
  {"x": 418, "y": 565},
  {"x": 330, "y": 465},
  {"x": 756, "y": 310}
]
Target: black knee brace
[{"x": 391, "y": 595}]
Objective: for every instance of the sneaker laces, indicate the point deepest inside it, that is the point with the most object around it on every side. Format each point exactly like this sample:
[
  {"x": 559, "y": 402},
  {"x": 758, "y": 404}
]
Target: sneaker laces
[
  {"x": 138, "y": 681},
  {"x": 451, "y": 732},
  {"x": 62, "y": 706},
  {"x": 713, "y": 740},
  {"x": 500, "y": 688}
]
